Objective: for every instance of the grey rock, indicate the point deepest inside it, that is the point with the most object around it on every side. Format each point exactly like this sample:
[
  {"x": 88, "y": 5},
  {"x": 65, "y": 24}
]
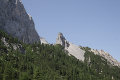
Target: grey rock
[
  {"x": 4, "y": 41},
  {"x": 43, "y": 40},
  {"x": 72, "y": 49},
  {"x": 61, "y": 40},
  {"x": 77, "y": 52},
  {"x": 15, "y": 21},
  {"x": 107, "y": 56}
]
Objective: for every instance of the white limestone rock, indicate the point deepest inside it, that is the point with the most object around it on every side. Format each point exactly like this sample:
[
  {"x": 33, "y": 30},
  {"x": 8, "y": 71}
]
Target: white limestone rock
[
  {"x": 4, "y": 41},
  {"x": 75, "y": 51},
  {"x": 72, "y": 49},
  {"x": 43, "y": 40},
  {"x": 107, "y": 56}
]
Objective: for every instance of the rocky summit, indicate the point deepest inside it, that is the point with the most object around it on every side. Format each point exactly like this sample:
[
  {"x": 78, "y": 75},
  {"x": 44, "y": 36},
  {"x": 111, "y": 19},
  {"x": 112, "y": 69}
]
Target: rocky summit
[
  {"x": 72, "y": 49},
  {"x": 79, "y": 53},
  {"x": 15, "y": 21}
]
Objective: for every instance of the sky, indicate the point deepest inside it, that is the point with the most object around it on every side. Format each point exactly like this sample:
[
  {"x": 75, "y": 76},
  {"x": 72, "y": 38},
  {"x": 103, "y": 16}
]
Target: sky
[{"x": 92, "y": 23}]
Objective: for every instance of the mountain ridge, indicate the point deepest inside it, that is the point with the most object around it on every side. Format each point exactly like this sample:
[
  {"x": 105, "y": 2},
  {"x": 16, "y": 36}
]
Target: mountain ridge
[
  {"x": 71, "y": 48},
  {"x": 40, "y": 60},
  {"x": 20, "y": 61},
  {"x": 77, "y": 51}
]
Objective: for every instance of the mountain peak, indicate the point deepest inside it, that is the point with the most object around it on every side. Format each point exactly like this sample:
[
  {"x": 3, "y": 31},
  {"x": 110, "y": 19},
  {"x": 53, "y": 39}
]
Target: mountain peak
[
  {"x": 61, "y": 39},
  {"x": 61, "y": 34},
  {"x": 15, "y": 21},
  {"x": 71, "y": 48}
]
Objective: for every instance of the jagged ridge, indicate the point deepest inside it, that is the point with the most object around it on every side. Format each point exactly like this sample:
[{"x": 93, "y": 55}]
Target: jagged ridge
[
  {"x": 49, "y": 62},
  {"x": 71, "y": 48},
  {"x": 79, "y": 53}
]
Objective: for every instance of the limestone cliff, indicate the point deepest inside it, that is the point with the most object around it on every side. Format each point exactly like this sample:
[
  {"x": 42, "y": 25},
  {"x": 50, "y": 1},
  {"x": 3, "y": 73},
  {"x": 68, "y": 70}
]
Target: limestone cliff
[
  {"x": 15, "y": 21},
  {"x": 79, "y": 53},
  {"x": 72, "y": 49}
]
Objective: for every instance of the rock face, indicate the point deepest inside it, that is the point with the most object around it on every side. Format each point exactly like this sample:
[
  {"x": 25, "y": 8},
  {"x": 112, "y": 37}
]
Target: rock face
[
  {"x": 107, "y": 56},
  {"x": 43, "y": 41},
  {"x": 62, "y": 41},
  {"x": 77, "y": 52},
  {"x": 71, "y": 48},
  {"x": 15, "y": 21}
]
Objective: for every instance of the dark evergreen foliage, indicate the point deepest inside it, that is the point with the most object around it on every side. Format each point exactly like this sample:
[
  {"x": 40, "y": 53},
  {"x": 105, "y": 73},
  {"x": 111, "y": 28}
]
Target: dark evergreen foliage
[{"x": 50, "y": 62}]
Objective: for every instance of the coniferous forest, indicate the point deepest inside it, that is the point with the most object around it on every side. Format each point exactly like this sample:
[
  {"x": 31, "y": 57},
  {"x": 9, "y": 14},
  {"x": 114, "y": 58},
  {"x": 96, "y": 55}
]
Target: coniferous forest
[{"x": 20, "y": 61}]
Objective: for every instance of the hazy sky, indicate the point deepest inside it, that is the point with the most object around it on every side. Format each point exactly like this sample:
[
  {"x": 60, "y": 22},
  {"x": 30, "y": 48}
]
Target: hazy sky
[{"x": 93, "y": 23}]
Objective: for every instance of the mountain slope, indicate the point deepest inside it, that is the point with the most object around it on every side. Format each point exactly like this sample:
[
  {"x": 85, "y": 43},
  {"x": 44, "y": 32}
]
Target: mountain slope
[
  {"x": 71, "y": 48},
  {"x": 107, "y": 56},
  {"x": 79, "y": 52},
  {"x": 36, "y": 61},
  {"x": 20, "y": 61},
  {"x": 15, "y": 21}
]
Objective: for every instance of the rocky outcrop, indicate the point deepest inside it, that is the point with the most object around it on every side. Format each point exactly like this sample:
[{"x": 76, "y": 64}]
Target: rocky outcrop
[
  {"x": 62, "y": 41},
  {"x": 107, "y": 56},
  {"x": 10, "y": 45},
  {"x": 43, "y": 40},
  {"x": 72, "y": 49},
  {"x": 77, "y": 52},
  {"x": 15, "y": 21}
]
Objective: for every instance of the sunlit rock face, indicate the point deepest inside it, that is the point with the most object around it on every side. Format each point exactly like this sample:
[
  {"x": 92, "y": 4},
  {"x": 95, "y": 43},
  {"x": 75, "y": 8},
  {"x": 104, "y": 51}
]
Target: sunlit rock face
[
  {"x": 72, "y": 49},
  {"x": 15, "y": 21},
  {"x": 61, "y": 40},
  {"x": 107, "y": 56},
  {"x": 43, "y": 40},
  {"x": 77, "y": 52}
]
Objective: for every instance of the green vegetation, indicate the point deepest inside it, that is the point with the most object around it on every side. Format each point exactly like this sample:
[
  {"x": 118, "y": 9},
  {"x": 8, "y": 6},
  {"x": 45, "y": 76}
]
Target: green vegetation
[{"x": 50, "y": 62}]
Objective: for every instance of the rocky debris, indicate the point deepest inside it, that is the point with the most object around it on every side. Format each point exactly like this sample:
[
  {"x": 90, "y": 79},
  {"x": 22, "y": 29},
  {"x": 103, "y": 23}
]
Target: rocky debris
[
  {"x": 107, "y": 56},
  {"x": 75, "y": 51},
  {"x": 43, "y": 41},
  {"x": 4, "y": 41},
  {"x": 14, "y": 46},
  {"x": 15, "y": 21},
  {"x": 71, "y": 48}
]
